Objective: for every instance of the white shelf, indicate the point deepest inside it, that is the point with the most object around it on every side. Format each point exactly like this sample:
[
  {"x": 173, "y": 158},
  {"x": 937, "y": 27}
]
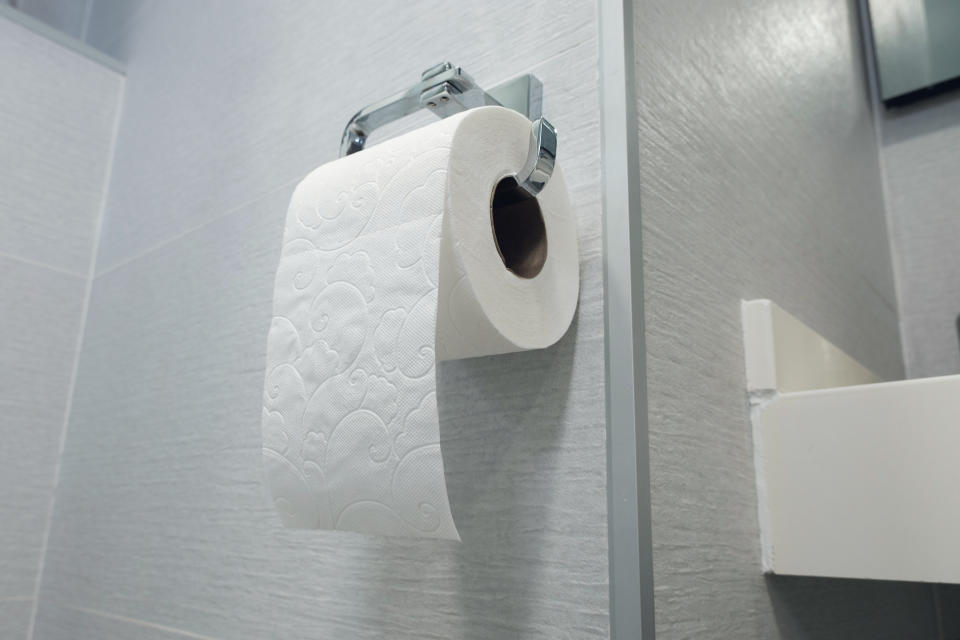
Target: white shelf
[{"x": 856, "y": 478}]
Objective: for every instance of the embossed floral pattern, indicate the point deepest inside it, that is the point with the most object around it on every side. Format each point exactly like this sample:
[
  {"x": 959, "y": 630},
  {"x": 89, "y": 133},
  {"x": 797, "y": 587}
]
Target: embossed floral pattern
[{"x": 350, "y": 425}]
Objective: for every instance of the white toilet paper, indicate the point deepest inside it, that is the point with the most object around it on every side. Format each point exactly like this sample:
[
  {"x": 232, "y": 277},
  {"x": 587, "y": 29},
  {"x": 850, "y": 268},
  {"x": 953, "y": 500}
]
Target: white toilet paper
[{"x": 391, "y": 262}]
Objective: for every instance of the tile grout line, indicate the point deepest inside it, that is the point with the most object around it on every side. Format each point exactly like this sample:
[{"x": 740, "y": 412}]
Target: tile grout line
[
  {"x": 241, "y": 205},
  {"x": 41, "y": 265},
  {"x": 88, "y": 290},
  {"x": 138, "y": 622},
  {"x": 186, "y": 232},
  {"x": 592, "y": 253},
  {"x": 234, "y": 209}
]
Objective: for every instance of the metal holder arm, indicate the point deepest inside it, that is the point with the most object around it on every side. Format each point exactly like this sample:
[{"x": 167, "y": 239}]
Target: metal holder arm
[{"x": 446, "y": 90}]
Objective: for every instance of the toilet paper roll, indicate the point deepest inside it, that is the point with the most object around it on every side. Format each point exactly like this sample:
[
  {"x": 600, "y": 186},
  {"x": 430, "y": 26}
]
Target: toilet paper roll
[{"x": 419, "y": 249}]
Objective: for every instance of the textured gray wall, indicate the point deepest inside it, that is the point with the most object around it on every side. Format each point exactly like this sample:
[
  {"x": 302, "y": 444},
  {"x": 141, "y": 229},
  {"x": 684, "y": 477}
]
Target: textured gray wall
[
  {"x": 57, "y": 111},
  {"x": 921, "y": 153},
  {"x": 921, "y": 166},
  {"x": 160, "y": 528},
  {"x": 760, "y": 178}
]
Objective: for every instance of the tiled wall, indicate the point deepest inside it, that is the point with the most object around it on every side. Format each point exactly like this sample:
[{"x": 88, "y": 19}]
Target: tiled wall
[
  {"x": 921, "y": 153},
  {"x": 760, "y": 179},
  {"x": 57, "y": 116},
  {"x": 161, "y": 528}
]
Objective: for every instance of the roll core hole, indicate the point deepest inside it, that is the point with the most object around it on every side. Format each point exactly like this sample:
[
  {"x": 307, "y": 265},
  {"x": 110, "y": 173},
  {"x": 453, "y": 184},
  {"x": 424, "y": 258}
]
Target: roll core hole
[{"x": 518, "y": 229}]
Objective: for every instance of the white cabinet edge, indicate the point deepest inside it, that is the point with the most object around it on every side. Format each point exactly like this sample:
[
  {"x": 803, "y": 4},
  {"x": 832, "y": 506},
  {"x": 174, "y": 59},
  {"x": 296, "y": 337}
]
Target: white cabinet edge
[
  {"x": 785, "y": 355},
  {"x": 855, "y": 478}
]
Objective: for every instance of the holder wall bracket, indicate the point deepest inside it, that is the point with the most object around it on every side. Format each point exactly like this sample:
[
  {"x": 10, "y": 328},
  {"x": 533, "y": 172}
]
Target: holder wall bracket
[{"x": 445, "y": 90}]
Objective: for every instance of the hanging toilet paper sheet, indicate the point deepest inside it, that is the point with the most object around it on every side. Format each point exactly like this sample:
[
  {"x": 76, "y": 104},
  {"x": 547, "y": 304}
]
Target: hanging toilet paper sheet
[{"x": 396, "y": 257}]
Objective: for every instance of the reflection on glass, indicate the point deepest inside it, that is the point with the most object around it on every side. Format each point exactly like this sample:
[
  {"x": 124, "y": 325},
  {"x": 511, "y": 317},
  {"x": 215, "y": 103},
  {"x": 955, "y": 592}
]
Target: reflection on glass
[{"x": 917, "y": 45}]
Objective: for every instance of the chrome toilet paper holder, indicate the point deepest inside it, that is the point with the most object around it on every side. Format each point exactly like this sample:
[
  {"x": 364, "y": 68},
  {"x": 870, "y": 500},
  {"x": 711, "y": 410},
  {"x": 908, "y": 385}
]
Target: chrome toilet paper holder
[{"x": 445, "y": 90}]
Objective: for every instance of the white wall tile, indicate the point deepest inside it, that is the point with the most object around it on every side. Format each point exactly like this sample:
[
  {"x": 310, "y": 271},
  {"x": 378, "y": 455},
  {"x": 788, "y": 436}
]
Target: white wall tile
[
  {"x": 57, "y": 114},
  {"x": 162, "y": 507},
  {"x": 15, "y": 617},
  {"x": 39, "y": 322},
  {"x": 161, "y": 504},
  {"x": 245, "y": 95},
  {"x": 56, "y": 118}
]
